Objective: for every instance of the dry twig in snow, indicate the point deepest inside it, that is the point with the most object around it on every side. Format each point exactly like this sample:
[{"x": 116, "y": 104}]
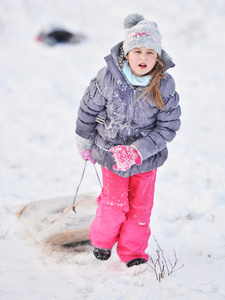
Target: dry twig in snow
[{"x": 160, "y": 264}]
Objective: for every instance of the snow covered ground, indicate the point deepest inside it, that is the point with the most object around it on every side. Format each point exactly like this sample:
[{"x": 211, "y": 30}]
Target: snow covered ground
[{"x": 40, "y": 90}]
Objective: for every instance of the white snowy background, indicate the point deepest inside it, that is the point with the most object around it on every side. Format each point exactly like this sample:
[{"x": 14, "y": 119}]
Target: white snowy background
[{"x": 40, "y": 90}]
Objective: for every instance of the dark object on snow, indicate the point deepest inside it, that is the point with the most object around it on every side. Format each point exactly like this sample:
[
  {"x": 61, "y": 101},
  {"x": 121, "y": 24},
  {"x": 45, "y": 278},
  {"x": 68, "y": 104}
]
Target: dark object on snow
[{"x": 56, "y": 36}]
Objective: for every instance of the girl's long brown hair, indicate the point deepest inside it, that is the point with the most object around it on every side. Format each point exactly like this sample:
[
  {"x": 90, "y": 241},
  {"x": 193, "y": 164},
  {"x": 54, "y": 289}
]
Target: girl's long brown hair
[{"x": 152, "y": 91}]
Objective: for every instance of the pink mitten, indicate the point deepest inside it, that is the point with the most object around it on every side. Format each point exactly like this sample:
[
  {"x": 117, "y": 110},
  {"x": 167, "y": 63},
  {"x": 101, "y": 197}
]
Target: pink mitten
[
  {"x": 125, "y": 157},
  {"x": 86, "y": 155}
]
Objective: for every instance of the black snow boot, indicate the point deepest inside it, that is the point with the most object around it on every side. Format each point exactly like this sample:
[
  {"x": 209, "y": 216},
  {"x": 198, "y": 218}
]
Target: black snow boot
[
  {"x": 102, "y": 254},
  {"x": 135, "y": 262}
]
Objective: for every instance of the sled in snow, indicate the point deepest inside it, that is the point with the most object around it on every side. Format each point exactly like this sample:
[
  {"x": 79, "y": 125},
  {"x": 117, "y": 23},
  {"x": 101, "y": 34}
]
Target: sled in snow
[{"x": 55, "y": 222}]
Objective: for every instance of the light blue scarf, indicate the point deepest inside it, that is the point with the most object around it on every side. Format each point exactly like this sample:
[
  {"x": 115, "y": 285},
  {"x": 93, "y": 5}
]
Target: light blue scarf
[{"x": 133, "y": 79}]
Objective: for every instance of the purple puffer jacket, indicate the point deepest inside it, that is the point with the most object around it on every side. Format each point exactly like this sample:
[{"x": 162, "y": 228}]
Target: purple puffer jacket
[{"x": 112, "y": 112}]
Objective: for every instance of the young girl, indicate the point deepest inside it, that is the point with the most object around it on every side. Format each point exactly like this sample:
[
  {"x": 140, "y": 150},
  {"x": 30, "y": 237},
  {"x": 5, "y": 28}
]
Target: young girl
[{"x": 126, "y": 117}]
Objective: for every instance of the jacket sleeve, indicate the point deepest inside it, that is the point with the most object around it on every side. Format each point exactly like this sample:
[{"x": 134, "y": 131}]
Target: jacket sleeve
[
  {"x": 167, "y": 122},
  {"x": 91, "y": 104}
]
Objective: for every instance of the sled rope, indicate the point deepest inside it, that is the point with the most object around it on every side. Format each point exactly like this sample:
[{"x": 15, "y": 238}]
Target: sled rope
[
  {"x": 67, "y": 209},
  {"x": 97, "y": 176},
  {"x": 82, "y": 176}
]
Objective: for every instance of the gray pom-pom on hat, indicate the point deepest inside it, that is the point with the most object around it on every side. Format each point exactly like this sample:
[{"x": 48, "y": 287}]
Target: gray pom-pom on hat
[
  {"x": 132, "y": 20},
  {"x": 141, "y": 33}
]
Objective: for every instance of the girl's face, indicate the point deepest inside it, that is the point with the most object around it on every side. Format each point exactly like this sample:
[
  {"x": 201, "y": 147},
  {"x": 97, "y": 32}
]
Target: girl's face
[{"x": 141, "y": 60}]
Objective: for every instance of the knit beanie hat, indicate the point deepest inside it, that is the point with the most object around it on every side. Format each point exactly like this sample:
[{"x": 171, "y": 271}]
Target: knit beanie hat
[{"x": 141, "y": 33}]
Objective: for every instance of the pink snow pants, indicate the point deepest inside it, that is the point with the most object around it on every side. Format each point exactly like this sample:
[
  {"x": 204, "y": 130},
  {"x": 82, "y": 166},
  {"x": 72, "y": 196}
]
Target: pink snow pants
[{"x": 123, "y": 214}]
